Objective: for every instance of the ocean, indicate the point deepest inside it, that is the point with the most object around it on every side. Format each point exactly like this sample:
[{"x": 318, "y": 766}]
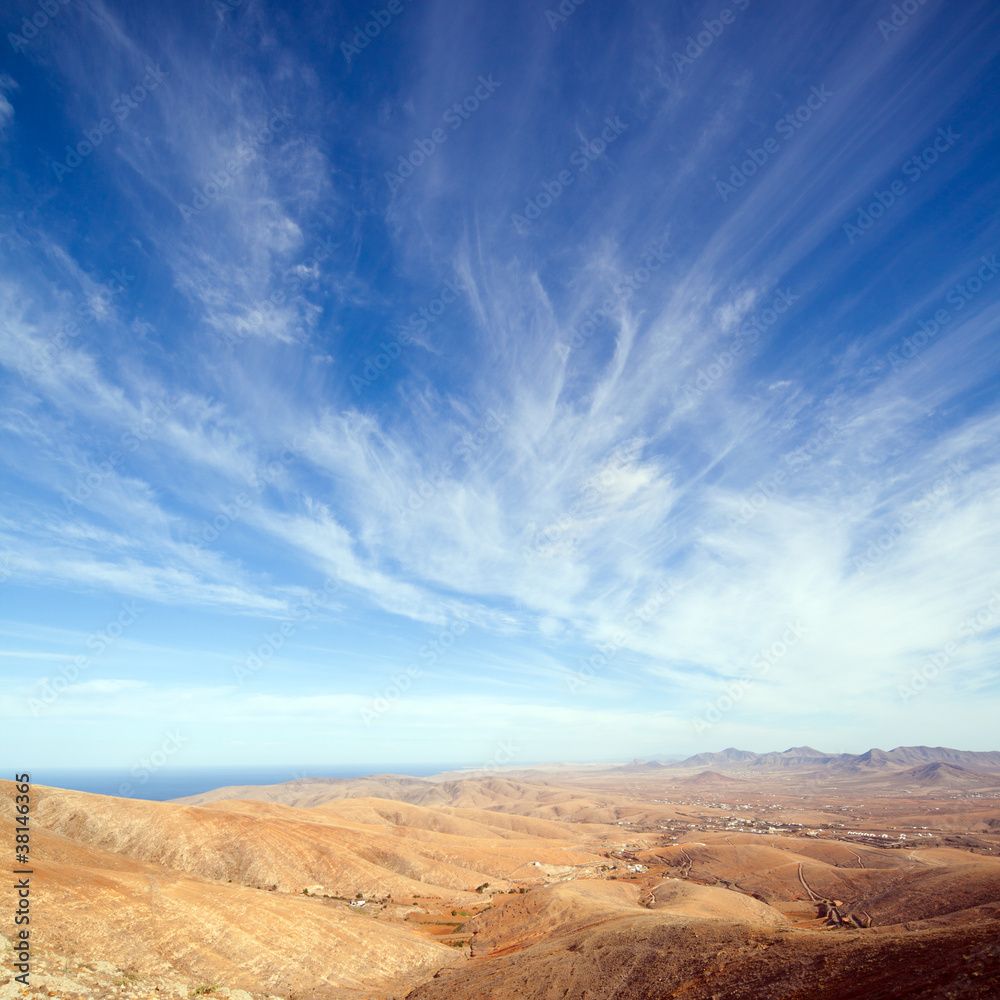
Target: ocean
[{"x": 176, "y": 782}]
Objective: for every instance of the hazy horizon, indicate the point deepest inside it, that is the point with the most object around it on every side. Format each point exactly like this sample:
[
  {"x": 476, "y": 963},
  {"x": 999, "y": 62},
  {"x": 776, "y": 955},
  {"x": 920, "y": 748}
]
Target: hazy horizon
[
  {"x": 159, "y": 781},
  {"x": 154, "y": 770}
]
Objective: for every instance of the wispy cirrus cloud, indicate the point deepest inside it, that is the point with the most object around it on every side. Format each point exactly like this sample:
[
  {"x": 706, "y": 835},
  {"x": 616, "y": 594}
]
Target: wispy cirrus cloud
[{"x": 653, "y": 382}]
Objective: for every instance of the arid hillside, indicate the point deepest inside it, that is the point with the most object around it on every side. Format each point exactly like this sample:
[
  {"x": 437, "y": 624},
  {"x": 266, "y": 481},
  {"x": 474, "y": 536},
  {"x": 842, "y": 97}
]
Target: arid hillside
[
  {"x": 659, "y": 882},
  {"x": 257, "y": 895}
]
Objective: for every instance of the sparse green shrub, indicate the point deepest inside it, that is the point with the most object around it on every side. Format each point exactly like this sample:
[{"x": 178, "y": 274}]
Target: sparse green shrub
[{"x": 130, "y": 975}]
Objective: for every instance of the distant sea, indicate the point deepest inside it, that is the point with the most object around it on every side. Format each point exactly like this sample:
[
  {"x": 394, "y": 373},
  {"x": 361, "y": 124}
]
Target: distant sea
[{"x": 176, "y": 783}]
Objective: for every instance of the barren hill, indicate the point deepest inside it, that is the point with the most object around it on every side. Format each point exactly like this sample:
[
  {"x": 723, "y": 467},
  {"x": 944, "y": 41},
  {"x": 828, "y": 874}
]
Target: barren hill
[
  {"x": 729, "y": 756},
  {"x": 942, "y": 775},
  {"x": 939, "y": 895},
  {"x": 708, "y": 960},
  {"x": 372, "y": 846},
  {"x": 709, "y": 902},
  {"x": 642, "y": 765},
  {"x": 711, "y": 778},
  {"x": 216, "y": 893},
  {"x": 922, "y": 755},
  {"x": 871, "y": 761},
  {"x": 101, "y": 905}
]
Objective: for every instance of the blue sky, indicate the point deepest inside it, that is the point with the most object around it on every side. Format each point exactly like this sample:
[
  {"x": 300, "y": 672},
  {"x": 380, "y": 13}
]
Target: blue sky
[{"x": 526, "y": 383}]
